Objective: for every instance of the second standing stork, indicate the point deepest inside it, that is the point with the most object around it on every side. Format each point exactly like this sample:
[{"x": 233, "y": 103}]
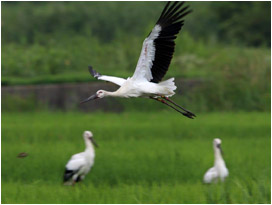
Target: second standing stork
[
  {"x": 219, "y": 170},
  {"x": 155, "y": 58}
]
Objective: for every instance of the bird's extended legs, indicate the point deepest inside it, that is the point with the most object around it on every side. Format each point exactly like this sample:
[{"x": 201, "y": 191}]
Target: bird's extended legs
[{"x": 186, "y": 113}]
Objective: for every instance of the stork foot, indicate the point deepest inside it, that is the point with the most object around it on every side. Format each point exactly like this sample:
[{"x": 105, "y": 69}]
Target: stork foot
[{"x": 187, "y": 112}]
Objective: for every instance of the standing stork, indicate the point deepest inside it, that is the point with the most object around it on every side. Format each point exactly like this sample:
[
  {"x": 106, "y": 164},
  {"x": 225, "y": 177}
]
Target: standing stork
[
  {"x": 219, "y": 170},
  {"x": 80, "y": 164},
  {"x": 155, "y": 58}
]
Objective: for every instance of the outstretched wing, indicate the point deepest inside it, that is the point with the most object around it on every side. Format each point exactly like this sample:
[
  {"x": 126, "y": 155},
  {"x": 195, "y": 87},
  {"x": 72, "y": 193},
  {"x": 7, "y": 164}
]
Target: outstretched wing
[
  {"x": 115, "y": 80},
  {"x": 159, "y": 46}
]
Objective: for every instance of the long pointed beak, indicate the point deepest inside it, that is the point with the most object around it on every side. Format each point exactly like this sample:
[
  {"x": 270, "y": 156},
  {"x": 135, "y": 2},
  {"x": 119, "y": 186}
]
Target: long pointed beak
[
  {"x": 93, "y": 141},
  {"x": 220, "y": 148},
  {"x": 93, "y": 97}
]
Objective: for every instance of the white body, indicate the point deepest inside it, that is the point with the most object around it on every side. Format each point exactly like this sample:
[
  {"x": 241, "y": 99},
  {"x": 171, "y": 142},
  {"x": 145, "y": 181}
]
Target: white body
[
  {"x": 219, "y": 170},
  {"x": 143, "y": 88},
  {"x": 81, "y": 163}
]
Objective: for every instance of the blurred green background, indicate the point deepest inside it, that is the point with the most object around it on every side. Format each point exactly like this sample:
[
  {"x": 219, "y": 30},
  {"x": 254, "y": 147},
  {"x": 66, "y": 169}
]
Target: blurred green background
[
  {"x": 224, "y": 44},
  {"x": 148, "y": 153}
]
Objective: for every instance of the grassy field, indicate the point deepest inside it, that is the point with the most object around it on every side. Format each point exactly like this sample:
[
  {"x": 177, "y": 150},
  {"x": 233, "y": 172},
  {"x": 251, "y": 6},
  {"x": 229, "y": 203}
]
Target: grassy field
[{"x": 142, "y": 158}]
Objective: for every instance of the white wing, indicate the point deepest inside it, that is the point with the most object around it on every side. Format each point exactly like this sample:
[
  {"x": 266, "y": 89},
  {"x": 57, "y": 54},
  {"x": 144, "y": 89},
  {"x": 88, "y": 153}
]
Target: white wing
[
  {"x": 210, "y": 175},
  {"x": 77, "y": 156},
  {"x": 76, "y": 162},
  {"x": 115, "y": 80},
  {"x": 158, "y": 48},
  {"x": 145, "y": 62}
]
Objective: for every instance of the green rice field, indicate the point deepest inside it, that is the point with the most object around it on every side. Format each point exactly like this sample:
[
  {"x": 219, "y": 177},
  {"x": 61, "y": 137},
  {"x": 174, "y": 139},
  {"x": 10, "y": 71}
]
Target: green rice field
[{"x": 153, "y": 157}]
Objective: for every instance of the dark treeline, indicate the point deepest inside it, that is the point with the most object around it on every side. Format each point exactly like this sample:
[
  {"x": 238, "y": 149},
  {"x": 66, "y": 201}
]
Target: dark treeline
[{"x": 243, "y": 23}]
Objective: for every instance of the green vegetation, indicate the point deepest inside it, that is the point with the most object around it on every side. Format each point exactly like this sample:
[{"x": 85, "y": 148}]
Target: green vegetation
[
  {"x": 147, "y": 154},
  {"x": 227, "y": 22},
  {"x": 44, "y": 39},
  {"x": 233, "y": 79},
  {"x": 156, "y": 158},
  {"x": 54, "y": 42},
  {"x": 67, "y": 60}
]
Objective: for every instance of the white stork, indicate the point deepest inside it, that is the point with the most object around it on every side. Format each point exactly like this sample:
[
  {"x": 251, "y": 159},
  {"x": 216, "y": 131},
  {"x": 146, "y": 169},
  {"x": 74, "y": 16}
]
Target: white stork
[
  {"x": 80, "y": 164},
  {"x": 219, "y": 170},
  {"x": 155, "y": 58}
]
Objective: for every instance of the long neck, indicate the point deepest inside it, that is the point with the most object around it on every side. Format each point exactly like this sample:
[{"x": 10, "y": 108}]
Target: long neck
[
  {"x": 112, "y": 94},
  {"x": 89, "y": 145},
  {"x": 217, "y": 156}
]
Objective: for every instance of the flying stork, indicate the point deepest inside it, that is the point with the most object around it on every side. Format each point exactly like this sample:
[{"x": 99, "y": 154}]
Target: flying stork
[
  {"x": 219, "y": 170},
  {"x": 157, "y": 52},
  {"x": 80, "y": 164}
]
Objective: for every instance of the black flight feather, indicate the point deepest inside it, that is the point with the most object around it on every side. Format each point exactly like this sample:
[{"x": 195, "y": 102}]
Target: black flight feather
[{"x": 93, "y": 72}]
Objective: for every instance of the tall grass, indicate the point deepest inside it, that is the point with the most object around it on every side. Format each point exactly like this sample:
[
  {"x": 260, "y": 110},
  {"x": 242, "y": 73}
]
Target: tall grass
[{"x": 142, "y": 158}]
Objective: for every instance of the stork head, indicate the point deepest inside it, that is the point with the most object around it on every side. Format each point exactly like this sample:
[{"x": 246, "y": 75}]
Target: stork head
[
  {"x": 217, "y": 144},
  {"x": 99, "y": 94},
  {"x": 88, "y": 136}
]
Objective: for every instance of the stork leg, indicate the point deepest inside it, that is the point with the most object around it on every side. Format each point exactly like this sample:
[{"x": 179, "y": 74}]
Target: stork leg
[
  {"x": 187, "y": 111},
  {"x": 164, "y": 102},
  {"x": 74, "y": 182}
]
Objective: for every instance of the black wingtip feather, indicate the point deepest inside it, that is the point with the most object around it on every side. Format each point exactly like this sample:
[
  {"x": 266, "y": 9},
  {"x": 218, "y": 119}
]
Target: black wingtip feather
[
  {"x": 172, "y": 10},
  {"x": 173, "y": 14},
  {"x": 93, "y": 72},
  {"x": 164, "y": 10}
]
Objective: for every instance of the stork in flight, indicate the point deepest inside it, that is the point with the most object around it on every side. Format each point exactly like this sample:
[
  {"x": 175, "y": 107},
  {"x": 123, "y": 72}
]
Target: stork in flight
[{"x": 155, "y": 58}]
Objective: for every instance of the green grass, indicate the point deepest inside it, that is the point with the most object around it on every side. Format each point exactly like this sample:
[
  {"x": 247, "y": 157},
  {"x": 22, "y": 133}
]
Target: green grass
[{"x": 142, "y": 158}]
